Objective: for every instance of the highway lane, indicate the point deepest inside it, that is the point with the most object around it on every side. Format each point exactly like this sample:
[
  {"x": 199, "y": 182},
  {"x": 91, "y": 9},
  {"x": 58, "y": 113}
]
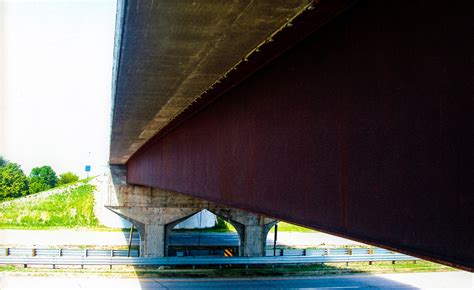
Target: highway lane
[
  {"x": 204, "y": 239},
  {"x": 444, "y": 280}
]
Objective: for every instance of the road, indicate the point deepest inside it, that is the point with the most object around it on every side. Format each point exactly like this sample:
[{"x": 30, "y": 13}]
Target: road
[
  {"x": 445, "y": 280},
  {"x": 204, "y": 239},
  {"x": 41, "y": 238}
]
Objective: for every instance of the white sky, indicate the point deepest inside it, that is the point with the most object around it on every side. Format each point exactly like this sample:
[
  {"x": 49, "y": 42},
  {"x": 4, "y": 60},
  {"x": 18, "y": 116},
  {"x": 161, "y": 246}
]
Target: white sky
[{"x": 55, "y": 83}]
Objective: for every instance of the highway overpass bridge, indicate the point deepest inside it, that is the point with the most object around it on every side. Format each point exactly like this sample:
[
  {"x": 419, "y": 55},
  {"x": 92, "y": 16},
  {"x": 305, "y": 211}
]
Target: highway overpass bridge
[{"x": 351, "y": 117}]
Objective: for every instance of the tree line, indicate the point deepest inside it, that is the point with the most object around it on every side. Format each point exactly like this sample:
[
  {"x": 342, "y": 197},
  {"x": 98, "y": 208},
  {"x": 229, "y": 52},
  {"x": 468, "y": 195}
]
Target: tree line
[{"x": 14, "y": 183}]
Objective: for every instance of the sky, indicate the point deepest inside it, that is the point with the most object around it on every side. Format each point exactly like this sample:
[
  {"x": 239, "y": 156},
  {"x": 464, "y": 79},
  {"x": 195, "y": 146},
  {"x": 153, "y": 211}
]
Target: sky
[{"x": 55, "y": 83}]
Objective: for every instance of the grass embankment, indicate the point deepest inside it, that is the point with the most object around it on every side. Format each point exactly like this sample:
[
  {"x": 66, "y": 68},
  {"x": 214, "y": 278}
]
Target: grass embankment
[
  {"x": 238, "y": 272},
  {"x": 71, "y": 208},
  {"x": 287, "y": 227}
]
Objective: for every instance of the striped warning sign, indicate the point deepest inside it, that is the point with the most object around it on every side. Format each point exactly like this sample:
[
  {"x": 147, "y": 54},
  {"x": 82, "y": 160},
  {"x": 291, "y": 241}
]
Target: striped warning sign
[{"x": 228, "y": 253}]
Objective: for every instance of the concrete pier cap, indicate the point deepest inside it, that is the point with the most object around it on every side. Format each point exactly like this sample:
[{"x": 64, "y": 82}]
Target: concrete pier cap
[{"x": 155, "y": 212}]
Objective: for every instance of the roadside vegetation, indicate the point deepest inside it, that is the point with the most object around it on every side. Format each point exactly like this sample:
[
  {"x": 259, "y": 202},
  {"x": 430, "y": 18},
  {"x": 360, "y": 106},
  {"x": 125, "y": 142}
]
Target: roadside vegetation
[
  {"x": 237, "y": 272},
  {"x": 221, "y": 226},
  {"x": 67, "y": 177},
  {"x": 41, "y": 179},
  {"x": 71, "y": 208},
  {"x": 14, "y": 183},
  {"x": 287, "y": 227}
]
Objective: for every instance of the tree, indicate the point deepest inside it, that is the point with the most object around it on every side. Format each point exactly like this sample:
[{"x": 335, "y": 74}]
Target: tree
[
  {"x": 67, "y": 177},
  {"x": 3, "y": 161},
  {"x": 13, "y": 182},
  {"x": 42, "y": 178}
]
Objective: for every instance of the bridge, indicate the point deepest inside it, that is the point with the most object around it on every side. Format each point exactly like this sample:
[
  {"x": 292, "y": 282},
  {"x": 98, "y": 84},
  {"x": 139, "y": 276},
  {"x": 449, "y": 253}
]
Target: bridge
[{"x": 354, "y": 118}]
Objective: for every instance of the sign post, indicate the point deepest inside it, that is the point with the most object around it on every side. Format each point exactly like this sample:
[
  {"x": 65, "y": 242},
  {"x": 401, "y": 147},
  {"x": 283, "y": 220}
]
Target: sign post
[{"x": 88, "y": 169}]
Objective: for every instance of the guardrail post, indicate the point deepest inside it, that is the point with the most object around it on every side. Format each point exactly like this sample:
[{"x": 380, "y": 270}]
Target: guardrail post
[
  {"x": 349, "y": 252},
  {"x": 33, "y": 252},
  {"x": 7, "y": 251},
  {"x": 60, "y": 252},
  {"x": 112, "y": 255},
  {"x": 85, "y": 255},
  {"x": 328, "y": 252},
  {"x": 281, "y": 252},
  {"x": 304, "y": 252},
  {"x": 371, "y": 252}
]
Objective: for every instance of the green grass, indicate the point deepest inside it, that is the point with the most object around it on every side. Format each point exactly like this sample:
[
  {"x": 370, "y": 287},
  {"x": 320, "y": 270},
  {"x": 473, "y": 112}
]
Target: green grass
[
  {"x": 237, "y": 272},
  {"x": 287, "y": 227},
  {"x": 72, "y": 208}
]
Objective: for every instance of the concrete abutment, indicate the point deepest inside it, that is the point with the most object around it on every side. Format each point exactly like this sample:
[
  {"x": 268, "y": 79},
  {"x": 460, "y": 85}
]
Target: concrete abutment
[{"x": 155, "y": 212}]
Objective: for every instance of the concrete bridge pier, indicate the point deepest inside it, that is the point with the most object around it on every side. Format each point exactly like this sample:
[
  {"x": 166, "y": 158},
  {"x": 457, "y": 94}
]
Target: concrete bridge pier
[
  {"x": 252, "y": 229},
  {"x": 155, "y": 212}
]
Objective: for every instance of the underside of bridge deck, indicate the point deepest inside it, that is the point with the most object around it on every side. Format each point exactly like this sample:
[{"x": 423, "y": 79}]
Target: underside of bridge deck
[{"x": 363, "y": 129}]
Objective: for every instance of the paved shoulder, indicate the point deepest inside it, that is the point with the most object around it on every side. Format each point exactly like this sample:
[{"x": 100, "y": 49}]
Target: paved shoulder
[{"x": 447, "y": 280}]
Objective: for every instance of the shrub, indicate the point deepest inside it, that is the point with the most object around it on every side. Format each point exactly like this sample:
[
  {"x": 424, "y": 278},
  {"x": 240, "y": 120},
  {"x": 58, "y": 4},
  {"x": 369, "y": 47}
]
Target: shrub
[
  {"x": 221, "y": 224},
  {"x": 67, "y": 177}
]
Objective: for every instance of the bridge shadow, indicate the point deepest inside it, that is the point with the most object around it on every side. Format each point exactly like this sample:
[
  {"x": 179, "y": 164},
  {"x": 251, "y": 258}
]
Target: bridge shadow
[
  {"x": 318, "y": 275},
  {"x": 295, "y": 277}
]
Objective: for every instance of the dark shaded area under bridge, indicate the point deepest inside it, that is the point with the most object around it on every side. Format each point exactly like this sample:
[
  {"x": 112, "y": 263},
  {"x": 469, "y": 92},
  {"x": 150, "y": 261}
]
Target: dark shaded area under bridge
[{"x": 363, "y": 129}]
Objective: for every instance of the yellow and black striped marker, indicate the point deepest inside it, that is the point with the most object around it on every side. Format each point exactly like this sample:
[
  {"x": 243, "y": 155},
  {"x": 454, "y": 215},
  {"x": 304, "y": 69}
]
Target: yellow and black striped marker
[{"x": 228, "y": 253}]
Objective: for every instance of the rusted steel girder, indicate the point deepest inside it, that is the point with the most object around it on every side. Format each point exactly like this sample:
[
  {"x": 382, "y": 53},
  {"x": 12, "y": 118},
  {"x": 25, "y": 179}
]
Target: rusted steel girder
[{"x": 363, "y": 130}]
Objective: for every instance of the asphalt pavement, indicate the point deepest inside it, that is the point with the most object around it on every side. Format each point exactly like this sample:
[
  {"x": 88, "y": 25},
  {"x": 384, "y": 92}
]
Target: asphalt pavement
[{"x": 439, "y": 280}]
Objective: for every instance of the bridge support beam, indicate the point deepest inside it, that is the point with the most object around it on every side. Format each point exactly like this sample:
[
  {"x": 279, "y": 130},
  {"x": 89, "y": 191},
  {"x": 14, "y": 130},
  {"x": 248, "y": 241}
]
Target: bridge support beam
[{"x": 155, "y": 212}]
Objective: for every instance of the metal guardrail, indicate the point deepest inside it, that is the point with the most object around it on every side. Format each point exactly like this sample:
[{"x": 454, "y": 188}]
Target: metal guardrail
[
  {"x": 57, "y": 257},
  {"x": 329, "y": 252},
  {"x": 34, "y": 252},
  {"x": 202, "y": 261}
]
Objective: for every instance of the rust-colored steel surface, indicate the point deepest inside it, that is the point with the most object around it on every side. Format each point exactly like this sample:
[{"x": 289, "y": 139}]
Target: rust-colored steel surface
[{"x": 363, "y": 130}]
